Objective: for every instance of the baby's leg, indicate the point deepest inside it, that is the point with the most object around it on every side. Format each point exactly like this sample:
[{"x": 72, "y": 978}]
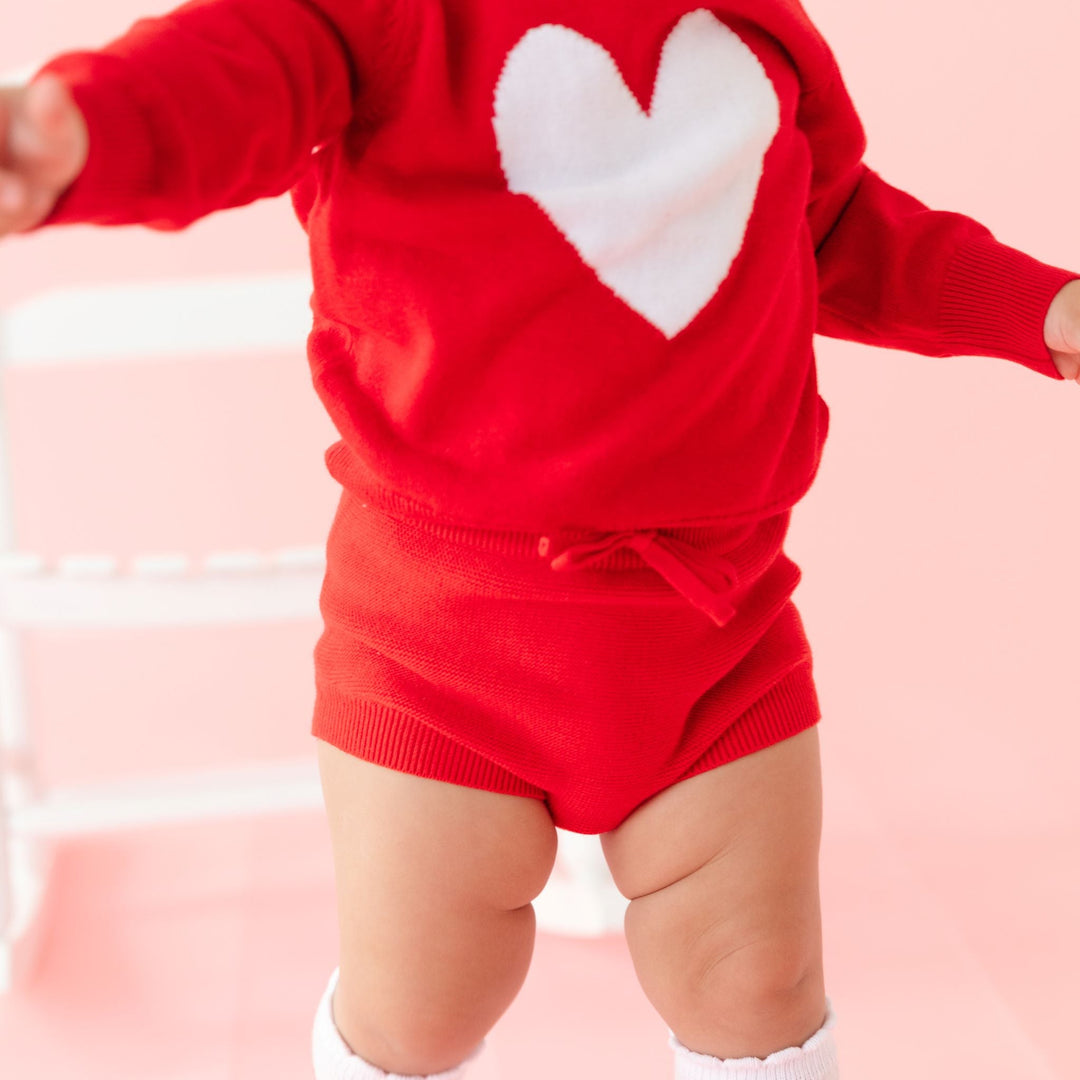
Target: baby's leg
[
  {"x": 724, "y": 926},
  {"x": 434, "y": 890}
]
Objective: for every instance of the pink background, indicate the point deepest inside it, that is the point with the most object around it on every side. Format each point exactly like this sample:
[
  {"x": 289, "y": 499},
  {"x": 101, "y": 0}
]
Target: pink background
[{"x": 940, "y": 593}]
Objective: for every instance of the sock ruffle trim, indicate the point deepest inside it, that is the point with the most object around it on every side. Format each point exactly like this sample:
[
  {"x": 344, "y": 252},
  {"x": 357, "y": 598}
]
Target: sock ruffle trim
[{"x": 816, "y": 1059}]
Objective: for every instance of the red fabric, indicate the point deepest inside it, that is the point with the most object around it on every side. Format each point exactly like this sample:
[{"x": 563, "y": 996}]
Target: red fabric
[
  {"x": 457, "y": 654},
  {"x": 477, "y": 369}
]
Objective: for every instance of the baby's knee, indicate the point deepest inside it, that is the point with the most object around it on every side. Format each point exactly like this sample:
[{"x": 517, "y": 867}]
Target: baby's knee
[{"x": 749, "y": 1001}]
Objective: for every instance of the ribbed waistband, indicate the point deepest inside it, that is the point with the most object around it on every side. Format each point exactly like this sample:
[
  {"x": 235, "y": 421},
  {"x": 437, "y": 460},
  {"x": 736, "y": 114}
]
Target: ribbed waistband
[{"x": 701, "y": 562}]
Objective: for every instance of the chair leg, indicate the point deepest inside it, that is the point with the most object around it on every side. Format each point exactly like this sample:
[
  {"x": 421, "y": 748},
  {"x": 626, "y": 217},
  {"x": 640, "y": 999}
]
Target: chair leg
[
  {"x": 26, "y": 865},
  {"x": 26, "y": 860}
]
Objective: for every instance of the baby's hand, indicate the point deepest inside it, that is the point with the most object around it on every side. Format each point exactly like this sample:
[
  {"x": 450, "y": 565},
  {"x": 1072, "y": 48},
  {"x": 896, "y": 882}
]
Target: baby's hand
[
  {"x": 44, "y": 144},
  {"x": 1061, "y": 330}
]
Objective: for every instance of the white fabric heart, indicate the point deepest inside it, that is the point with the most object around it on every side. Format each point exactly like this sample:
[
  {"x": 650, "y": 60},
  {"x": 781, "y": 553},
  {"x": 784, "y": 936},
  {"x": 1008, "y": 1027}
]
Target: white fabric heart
[{"x": 656, "y": 203}]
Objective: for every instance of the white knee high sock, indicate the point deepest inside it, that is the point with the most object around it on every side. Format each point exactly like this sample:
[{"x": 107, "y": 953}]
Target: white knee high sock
[
  {"x": 814, "y": 1060},
  {"x": 334, "y": 1060}
]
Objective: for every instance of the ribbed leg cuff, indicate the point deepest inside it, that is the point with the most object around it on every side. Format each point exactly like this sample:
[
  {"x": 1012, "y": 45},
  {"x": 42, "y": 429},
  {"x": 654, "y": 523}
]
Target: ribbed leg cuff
[
  {"x": 334, "y": 1060},
  {"x": 814, "y": 1060}
]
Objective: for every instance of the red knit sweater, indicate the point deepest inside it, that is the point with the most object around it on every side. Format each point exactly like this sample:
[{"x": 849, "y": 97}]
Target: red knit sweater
[{"x": 569, "y": 255}]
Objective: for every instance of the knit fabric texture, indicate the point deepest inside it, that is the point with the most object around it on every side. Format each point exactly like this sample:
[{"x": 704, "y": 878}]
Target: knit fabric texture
[
  {"x": 569, "y": 256},
  {"x": 464, "y": 657}
]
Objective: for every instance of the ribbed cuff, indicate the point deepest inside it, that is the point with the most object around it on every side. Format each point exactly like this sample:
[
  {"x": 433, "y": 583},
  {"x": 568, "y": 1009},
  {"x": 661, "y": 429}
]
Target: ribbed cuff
[
  {"x": 994, "y": 303},
  {"x": 816, "y": 1059},
  {"x": 390, "y": 737},
  {"x": 119, "y": 158}
]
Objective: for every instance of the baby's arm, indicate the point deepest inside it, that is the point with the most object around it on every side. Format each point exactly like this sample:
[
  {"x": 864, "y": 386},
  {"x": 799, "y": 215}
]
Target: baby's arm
[
  {"x": 895, "y": 273},
  {"x": 213, "y": 105}
]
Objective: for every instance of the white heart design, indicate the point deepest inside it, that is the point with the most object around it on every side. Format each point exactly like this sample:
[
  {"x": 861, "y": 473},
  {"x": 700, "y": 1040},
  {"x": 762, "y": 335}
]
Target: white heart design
[{"x": 656, "y": 203}]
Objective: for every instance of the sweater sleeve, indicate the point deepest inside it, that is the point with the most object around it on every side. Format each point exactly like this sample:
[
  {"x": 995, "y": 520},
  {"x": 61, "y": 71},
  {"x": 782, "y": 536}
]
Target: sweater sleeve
[
  {"x": 896, "y": 274},
  {"x": 213, "y": 105}
]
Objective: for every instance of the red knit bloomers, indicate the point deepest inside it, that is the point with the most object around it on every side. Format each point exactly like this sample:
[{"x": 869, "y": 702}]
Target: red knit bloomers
[{"x": 588, "y": 670}]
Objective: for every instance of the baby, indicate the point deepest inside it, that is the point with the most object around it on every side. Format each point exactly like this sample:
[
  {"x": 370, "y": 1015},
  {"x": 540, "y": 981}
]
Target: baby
[{"x": 569, "y": 257}]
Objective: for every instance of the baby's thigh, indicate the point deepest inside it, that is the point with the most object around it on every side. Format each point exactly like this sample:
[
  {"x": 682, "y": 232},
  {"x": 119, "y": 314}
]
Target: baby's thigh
[
  {"x": 434, "y": 887},
  {"x": 724, "y": 924}
]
